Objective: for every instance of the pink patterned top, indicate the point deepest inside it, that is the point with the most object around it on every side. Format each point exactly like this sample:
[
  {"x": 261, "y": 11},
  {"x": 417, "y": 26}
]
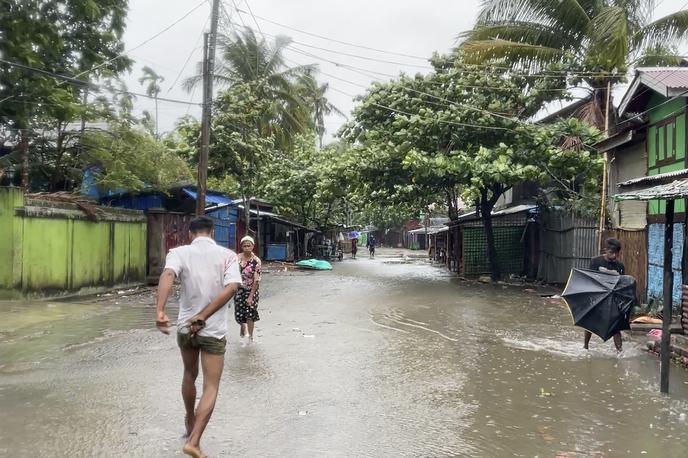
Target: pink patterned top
[{"x": 250, "y": 271}]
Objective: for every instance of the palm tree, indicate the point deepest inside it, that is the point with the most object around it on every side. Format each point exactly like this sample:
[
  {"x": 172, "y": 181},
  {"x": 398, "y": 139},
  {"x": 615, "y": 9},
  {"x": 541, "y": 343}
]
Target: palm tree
[
  {"x": 153, "y": 89},
  {"x": 314, "y": 96},
  {"x": 245, "y": 58},
  {"x": 597, "y": 40}
]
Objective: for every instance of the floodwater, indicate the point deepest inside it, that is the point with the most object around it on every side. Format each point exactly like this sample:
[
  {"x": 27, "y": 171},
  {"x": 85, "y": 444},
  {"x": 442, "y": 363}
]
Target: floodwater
[{"x": 376, "y": 358}]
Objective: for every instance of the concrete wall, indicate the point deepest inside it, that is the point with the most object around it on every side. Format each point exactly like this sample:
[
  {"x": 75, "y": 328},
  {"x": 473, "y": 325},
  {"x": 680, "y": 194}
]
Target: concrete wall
[{"x": 54, "y": 248}]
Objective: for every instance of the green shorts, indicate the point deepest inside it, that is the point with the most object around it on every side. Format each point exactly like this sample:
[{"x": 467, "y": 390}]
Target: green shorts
[{"x": 205, "y": 344}]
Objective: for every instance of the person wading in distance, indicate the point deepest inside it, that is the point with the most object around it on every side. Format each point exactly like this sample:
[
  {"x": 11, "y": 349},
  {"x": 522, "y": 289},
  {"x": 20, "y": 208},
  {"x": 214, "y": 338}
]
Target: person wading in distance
[
  {"x": 246, "y": 299},
  {"x": 209, "y": 276},
  {"x": 608, "y": 262}
]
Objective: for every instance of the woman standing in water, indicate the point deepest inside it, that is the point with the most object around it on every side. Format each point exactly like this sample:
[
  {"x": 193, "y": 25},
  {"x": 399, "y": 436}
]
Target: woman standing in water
[{"x": 246, "y": 298}]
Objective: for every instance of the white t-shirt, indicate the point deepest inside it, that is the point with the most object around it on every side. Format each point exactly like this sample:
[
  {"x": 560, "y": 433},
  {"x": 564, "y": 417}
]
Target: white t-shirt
[{"x": 204, "y": 269}]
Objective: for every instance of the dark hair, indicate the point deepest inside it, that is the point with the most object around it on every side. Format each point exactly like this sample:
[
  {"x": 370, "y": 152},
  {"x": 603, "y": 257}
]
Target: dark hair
[
  {"x": 201, "y": 224},
  {"x": 613, "y": 244}
]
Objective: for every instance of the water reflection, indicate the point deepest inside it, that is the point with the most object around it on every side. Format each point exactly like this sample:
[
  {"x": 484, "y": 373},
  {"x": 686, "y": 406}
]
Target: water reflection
[{"x": 372, "y": 359}]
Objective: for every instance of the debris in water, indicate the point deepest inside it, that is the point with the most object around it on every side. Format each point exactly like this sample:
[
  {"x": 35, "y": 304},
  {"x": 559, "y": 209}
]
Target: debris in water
[{"x": 544, "y": 394}]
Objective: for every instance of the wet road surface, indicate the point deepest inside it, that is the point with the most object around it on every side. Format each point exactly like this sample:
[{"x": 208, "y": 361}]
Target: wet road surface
[{"x": 376, "y": 358}]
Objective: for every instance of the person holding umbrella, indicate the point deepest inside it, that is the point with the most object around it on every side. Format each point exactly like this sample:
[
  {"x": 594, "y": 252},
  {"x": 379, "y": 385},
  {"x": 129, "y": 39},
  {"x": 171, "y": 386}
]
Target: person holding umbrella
[
  {"x": 354, "y": 243},
  {"x": 608, "y": 263}
]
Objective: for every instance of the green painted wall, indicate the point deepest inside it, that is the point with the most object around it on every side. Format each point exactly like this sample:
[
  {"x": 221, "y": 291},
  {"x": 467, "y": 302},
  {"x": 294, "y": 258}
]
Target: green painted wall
[
  {"x": 10, "y": 253},
  {"x": 54, "y": 251},
  {"x": 666, "y": 156}
]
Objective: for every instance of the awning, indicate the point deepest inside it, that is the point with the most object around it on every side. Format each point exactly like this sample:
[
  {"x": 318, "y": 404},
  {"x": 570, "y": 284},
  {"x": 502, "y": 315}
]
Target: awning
[
  {"x": 471, "y": 216},
  {"x": 677, "y": 189},
  {"x": 670, "y": 185},
  {"x": 275, "y": 217}
]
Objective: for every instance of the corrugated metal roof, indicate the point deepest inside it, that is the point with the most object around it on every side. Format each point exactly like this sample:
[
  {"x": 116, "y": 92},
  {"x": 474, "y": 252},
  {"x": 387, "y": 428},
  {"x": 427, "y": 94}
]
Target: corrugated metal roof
[
  {"x": 210, "y": 197},
  {"x": 675, "y": 190},
  {"x": 667, "y": 81},
  {"x": 506, "y": 211},
  {"x": 653, "y": 179},
  {"x": 670, "y": 77}
]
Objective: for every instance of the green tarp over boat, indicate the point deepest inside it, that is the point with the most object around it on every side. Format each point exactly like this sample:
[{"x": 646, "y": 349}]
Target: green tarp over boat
[{"x": 316, "y": 264}]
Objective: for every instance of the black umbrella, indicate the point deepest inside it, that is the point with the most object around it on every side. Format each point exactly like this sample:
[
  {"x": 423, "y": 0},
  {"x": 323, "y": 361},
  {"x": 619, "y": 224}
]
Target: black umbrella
[{"x": 600, "y": 302}]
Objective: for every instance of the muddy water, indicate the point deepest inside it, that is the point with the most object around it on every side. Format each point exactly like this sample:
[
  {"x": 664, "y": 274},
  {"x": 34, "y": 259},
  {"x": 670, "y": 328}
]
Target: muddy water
[{"x": 377, "y": 358}]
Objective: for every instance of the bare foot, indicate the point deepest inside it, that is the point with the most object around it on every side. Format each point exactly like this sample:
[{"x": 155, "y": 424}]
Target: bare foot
[{"x": 192, "y": 451}]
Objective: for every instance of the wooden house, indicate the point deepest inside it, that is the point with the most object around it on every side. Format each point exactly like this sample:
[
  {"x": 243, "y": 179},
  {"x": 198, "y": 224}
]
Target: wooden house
[{"x": 650, "y": 140}]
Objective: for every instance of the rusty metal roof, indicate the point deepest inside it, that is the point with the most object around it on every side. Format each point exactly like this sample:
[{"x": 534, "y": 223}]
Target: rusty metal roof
[
  {"x": 675, "y": 190},
  {"x": 656, "y": 179}
]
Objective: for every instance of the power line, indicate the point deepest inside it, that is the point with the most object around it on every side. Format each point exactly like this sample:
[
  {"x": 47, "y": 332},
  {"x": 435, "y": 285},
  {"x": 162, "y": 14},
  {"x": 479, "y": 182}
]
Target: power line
[
  {"x": 254, "y": 17},
  {"x": 195, "y": 48},
  {"x": 338, "y": 41},
  {"x": 83, "y": 83},
  {"x": 144, "y": 42},
  {"x": 498, "y": 115},
  {"x": 237, "y": 10},
  {"x": 558, "y": 72},
  {"x": 470, "y": 69}
]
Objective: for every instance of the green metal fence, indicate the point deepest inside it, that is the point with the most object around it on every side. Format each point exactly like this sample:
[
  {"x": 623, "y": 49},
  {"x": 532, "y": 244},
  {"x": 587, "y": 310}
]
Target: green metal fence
[
  {"x": 509, "y": 245},
  {"x": 50, "y": 248}
]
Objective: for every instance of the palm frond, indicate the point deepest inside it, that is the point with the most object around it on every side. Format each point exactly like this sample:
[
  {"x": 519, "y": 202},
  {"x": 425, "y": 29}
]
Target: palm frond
[
  {"x": 521, "y": 54},
  {"x": 666, "y": 30},
  {"x": 609, "y": 36},
  {"x": 524, "y": 32},
  {"x": 658, "y": 56},
  {"x": 563, "y": 12}
]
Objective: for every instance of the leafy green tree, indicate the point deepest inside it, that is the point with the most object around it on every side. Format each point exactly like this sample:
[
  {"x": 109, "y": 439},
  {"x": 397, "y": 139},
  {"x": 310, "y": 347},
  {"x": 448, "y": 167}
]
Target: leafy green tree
[
  {"x": 596, "y": 40},
  {"x": 153, "y": 80},
  {"x": 184, "y": 140},
  {"x": 128, "y": 158},
  {"x": 459, "y": 132},
  {"x": 78, "y": 39},
  {"x": 239, "y": 147},
  {"x": 434, "y": 115}
]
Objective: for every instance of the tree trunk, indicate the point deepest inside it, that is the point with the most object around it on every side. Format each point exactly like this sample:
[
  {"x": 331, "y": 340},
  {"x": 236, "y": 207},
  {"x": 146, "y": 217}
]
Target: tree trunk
[
  {"x": 485, "y": 207},
  {"x": 247, "y": 214},
  {"x": 157, "y": 133},
  {"x": 24, "y": 154},
  {"x": 486, "y": 216},
  {"x": 452, "y": 211}
]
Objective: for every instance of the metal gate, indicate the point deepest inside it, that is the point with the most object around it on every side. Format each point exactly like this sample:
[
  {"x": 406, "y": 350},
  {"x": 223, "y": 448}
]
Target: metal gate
[{"x": 225, "y": 233}]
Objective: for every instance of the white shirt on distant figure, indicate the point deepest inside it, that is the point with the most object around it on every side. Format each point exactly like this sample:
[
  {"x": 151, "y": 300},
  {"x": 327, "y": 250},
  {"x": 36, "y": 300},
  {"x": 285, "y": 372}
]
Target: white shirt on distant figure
[{"x": 204, "y": 269}]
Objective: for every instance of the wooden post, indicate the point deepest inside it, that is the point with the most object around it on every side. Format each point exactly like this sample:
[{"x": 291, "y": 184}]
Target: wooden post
[{"x": 665, "y": 356}]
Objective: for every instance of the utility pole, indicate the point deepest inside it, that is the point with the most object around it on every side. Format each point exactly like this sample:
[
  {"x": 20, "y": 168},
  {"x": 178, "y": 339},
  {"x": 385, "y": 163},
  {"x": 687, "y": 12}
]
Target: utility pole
[
  {"x": 209, "y": 41},
  {"x": 603, "y": 206}
]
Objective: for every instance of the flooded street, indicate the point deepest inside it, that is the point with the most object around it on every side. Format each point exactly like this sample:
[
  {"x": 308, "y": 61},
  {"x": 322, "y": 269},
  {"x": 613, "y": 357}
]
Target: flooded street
[{"x": 376, "y": 358}]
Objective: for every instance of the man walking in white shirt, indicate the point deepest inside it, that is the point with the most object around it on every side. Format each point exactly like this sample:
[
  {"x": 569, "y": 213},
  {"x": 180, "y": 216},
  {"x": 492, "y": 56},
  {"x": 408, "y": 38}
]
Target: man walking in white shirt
[{"x": 209, "y": 276}]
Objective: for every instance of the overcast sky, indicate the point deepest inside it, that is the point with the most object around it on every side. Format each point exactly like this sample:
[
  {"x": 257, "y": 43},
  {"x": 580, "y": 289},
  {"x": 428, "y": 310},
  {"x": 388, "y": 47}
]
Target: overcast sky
[{"x": 414, "y": 28}]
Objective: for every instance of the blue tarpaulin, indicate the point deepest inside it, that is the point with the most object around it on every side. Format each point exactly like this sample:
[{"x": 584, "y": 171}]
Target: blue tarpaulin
[{"x": 210, "y": 197}]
